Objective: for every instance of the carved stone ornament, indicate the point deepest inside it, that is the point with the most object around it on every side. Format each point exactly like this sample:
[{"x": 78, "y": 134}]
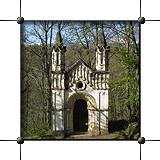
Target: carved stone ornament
[
  {"x": 81, "y": 85},
  {"x": 100, "y": 49},
  {"x": 91, "y": 103}
]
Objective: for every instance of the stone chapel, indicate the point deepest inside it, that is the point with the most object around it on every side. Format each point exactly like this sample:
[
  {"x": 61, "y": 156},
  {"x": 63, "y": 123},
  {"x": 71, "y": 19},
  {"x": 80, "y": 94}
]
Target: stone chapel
[{"x": 79, "y": 98}]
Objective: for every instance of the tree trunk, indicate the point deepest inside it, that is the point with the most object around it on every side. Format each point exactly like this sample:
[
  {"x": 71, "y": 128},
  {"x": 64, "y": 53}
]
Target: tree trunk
[{"x": 127, "y": 48}]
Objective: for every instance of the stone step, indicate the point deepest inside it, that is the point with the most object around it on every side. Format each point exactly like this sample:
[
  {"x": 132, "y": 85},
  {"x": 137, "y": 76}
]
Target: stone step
[{"x": 79, "y": 134}]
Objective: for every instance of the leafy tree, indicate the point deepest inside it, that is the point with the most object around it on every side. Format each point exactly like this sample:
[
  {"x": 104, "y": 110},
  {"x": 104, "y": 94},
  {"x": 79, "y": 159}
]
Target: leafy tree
[
  {"x": 41, "y": 130},
  {"x": 130, "y": 62},
  {"x": 82, "y": 38}
]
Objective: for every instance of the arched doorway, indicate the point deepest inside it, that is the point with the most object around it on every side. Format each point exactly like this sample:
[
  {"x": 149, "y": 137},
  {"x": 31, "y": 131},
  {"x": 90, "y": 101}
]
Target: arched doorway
[
  {"x": 80, "y": 116},
  {"x": 70, "y": 108}
]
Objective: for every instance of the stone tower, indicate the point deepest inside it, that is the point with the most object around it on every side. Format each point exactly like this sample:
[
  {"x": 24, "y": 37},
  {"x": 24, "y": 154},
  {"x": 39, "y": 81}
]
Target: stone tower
[
  {"x": 58, "y": 83},
  {"x": 102, "y": 53},
  {"x": 58, "y": 57}
]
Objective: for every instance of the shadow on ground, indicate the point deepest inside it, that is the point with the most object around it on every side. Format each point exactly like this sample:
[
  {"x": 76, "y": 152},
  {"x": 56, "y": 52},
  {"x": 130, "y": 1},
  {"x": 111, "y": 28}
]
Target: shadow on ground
[{"x": 114, "y": 126}]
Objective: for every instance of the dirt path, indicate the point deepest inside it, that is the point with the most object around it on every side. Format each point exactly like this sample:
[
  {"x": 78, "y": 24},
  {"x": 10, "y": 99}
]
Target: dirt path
[
  {"x": 111, "y": 136},
  {"x": 84, "y": 136}
]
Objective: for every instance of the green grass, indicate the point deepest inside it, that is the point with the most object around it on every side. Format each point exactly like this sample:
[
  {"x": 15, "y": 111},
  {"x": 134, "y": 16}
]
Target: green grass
[{"x": 122, "y": 134}]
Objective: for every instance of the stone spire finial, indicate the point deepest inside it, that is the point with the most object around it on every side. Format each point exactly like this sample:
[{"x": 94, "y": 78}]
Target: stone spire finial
[
  {"x": 58, "y": 56},
  {"x": 101, "y": 53},
  {"x": 102, "y": 41},
  {"x": 58, "y": 41}
]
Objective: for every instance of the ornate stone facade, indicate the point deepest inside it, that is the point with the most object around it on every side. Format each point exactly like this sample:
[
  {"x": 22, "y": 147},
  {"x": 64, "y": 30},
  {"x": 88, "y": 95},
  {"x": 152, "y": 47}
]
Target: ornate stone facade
[{"x": 80, "y": 82}]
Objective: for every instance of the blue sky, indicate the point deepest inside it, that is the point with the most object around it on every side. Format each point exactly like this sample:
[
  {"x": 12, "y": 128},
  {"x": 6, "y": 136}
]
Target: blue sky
[{"x": 28, "y": 28}]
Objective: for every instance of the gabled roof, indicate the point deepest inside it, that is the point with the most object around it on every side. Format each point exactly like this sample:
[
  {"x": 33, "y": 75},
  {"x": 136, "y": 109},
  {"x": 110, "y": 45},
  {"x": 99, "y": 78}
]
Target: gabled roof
[{"x": 79, "y": 61}]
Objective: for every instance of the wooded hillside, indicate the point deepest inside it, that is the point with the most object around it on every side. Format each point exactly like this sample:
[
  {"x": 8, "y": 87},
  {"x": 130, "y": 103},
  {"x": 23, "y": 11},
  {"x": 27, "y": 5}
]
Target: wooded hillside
[{"x": 81, "y": 39}]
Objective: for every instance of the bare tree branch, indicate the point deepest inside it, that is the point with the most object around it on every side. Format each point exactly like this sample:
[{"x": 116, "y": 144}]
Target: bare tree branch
[{"x": 35, "y": 53}]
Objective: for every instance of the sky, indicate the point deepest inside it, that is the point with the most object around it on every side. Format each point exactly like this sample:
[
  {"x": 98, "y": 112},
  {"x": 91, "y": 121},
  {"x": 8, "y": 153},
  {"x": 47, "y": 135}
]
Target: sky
[{"x": 28, "y": 28}]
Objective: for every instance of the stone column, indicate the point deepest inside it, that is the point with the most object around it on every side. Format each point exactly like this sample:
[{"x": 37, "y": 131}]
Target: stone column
[
  {"x": 99, "y": 58},
  {"x": 80, "y": 71},
  {"x": 84, "y": 73},
  {"x": 72, "y": 120},
  {"x": 54, "y": 112},
  {"x": 90, "y": 80},
  {"x": 104, "y": 79},
  {"x": 72, "y": 77},
  {"x": 63, "y": 86},
  {"x": 55, "y": 58},
  {"x": 104, "y": 57},
  {"x": 52, "y": 81},
  {"x": 55, "y": 81},
  {"x": 100, "y": 81},
  {"x": 87, "y": 76},
  {"x": 104, "y": 122},
  {"x": 96, "y": 60},
  {"x": 60, "y": 81},
  {"x": 59, "y": 57},
  {"x": 96, "y": 81},
  {"x": 76, "y": 77}
]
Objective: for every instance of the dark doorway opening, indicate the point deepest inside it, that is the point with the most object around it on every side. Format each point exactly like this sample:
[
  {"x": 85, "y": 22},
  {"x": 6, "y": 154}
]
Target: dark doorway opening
[{"x": 80, "y": 116}]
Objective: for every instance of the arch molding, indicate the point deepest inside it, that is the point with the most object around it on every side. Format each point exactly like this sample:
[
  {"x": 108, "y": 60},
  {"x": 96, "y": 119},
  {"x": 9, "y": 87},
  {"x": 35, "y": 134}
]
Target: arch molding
[{"x": 91, "y": 103}]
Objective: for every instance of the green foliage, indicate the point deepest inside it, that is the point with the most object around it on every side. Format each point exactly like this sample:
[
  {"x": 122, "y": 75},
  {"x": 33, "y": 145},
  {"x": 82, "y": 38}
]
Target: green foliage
[
  {"x": 36, "y": 59},
  {"x": 59, "y": 45},
  {"x": 132, "y": 131},
  {"x": 128, "y": 82},
  {"x": 129, "y": 60},
  {"x": 41, "y": 130}
]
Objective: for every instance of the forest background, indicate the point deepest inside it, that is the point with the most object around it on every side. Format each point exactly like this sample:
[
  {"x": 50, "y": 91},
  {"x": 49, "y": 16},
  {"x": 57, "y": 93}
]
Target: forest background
[{"x": 81, "y": 39}]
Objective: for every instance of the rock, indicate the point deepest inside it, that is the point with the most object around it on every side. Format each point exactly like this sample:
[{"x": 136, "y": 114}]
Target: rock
[
  {"x": 132, "y": 130},
  {"x": 136, "y": 136}
]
